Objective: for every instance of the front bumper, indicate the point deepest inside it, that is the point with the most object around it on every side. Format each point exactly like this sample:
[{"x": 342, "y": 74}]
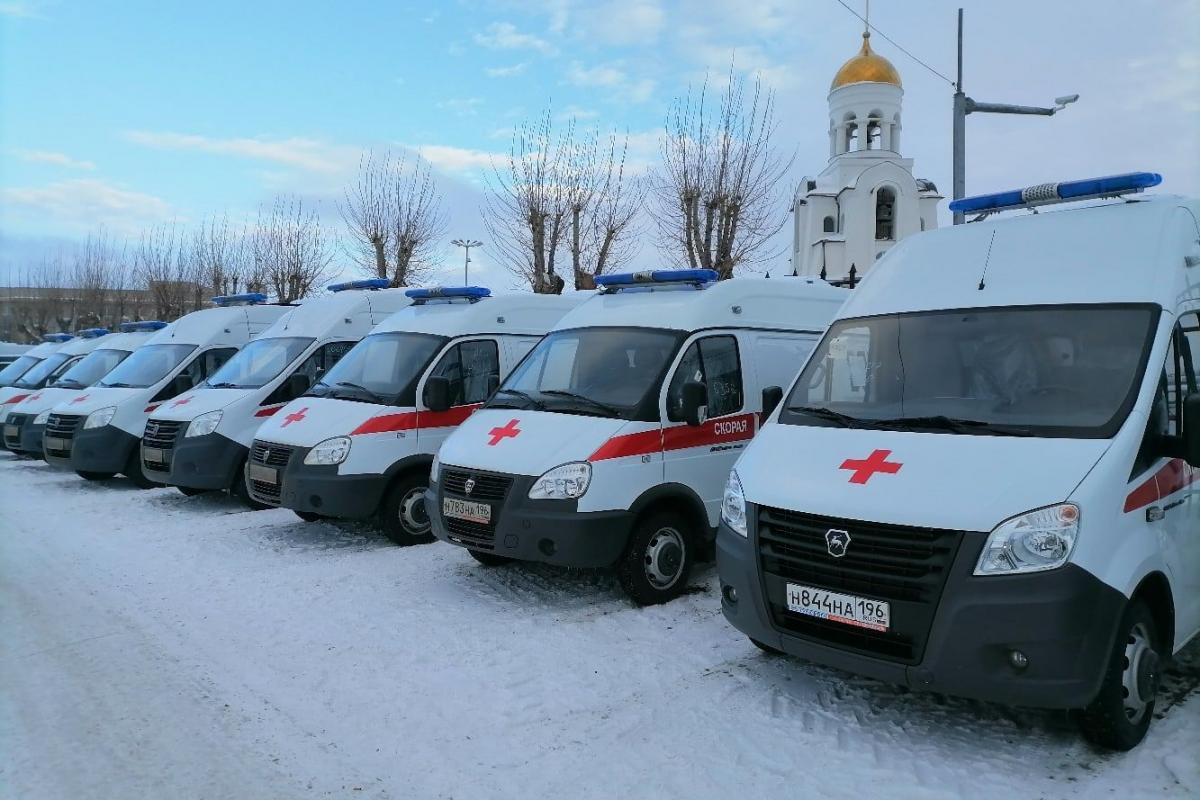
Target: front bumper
[
  {"x": 104, "y": 449},
  {"x": 1063, "y": 621},
  {"x": 210, "y": 462},
  {"x": 22, "y": 436},
  {"x": 549, "y": 531},
  {"x": 315, "y": 489}
]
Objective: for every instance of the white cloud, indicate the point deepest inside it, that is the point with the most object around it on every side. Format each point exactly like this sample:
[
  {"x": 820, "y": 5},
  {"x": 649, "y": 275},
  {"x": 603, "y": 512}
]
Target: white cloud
[
  {"x": 27, "y": 9},
  {"x": 504, "y": 72},
  {"x": 505, "y": 36},
  {"x": 307, "y": 154},
  {"x": 462, "y": 106},
  {"x": 50, "y": 157},
  {"x": 457, "y": 159},
  {"x": 614, "y": 77},
  {"x": 621, "y": 22},
  {"x": 86, "y": 203}
]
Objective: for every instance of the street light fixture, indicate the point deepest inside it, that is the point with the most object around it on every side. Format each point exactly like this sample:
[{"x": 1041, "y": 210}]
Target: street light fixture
[
  {"x": 466, "y": 245},
  {"x": 964, "y": 105}
]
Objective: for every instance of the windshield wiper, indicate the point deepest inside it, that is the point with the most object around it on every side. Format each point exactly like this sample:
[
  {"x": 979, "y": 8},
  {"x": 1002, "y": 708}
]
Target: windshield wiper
[
  {"x": 943, "y": 422},
  {"x": 119, "y": 385},
  {"x": 375, "y": 398},
  {"x": 536, "y": 404},
  {"x": 68, "y": 383},
  {"x": 224, "y": 385},
  {"x": 611, "y": 410},
  {"x": 820, "y": 412}
]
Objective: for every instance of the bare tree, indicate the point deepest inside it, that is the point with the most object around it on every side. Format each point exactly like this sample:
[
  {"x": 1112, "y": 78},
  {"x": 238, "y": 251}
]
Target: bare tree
[
  {"x": 290, "y": 249},
  {"x": 162, "y": 264},
  {"x": 603, "y": 217},
  {"x": 716, "y": 202},
  {"x": 395, "y": 216},
  {"x": 91, "y": 280},
  {"x": 219, "y": 257}
]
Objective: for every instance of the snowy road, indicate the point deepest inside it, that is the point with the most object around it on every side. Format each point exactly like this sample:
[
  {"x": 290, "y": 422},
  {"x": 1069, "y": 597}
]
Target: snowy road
[{"x": 162, "y": 646}]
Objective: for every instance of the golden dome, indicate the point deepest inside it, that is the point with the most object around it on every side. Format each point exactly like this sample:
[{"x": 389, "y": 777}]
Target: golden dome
[{"x": 867, "y": 66}]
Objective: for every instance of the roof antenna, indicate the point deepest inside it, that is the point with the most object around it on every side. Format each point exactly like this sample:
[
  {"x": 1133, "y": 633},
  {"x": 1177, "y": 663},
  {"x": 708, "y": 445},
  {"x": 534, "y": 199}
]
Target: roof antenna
[{"x": 987, "y": 260}]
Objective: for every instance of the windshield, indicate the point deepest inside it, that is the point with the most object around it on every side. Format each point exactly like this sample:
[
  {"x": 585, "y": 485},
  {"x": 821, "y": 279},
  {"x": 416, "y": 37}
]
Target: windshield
[
  {"x": 92, "y": 368},
  {"x": 383, "y": 368},
  {"x": 1069, "y": 371},
  {"x": 258, "y": 363},
  {"x": 36, "y": 377},
  {"x": 610, "y": 372},
  {"x": 148, "y": 365},
  {"x": 16, "y": 369}
]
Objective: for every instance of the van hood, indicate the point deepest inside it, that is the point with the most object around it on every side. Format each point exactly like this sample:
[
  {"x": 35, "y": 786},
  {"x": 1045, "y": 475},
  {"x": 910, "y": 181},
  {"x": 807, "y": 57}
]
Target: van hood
[
  {"x": 42, "y": 399},
  {"x": 308, "y": 420},
  {"x": 89, "y": 400},
  {"x": 192, "y": 404},
  {"x": 528, "y": 442},
  {"x": 936, "y": 480}
]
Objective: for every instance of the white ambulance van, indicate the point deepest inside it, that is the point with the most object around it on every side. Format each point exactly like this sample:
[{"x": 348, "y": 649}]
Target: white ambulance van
[
  {"x": 983, "y": 482},
  {"x": 33, "y": 370},
  {"x": 199, "y": 442},
  {"x": 24, "y": 424},
  {"x": 610, "y": 444},
  {"x": 360, "y": 443},
  {"x": 98, "y": 433}
]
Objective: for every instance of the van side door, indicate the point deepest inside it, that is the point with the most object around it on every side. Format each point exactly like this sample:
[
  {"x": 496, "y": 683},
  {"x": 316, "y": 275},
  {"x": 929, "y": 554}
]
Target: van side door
[
  {"x": 1181, "y": 510},
  {"x": 472, "y": 366}
]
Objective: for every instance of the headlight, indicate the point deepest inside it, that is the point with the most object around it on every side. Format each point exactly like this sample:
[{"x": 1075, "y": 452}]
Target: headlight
[
  {"x": 733, "y": 505},
  {"x": 42, "y": 418},
  {"x": 204, "y": 424},
  {"x": 1031, "y": 542},
  {"x": 434, "y": 469},
  {"x": 330, "y": 451},
  {"x": 565, "y": 482},
  {"x": 100, "y": 417}
]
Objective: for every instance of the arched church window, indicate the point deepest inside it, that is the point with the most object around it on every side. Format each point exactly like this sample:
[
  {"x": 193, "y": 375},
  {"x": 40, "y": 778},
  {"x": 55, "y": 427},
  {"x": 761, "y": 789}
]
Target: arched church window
[
  {"x": 851, "y": 137},
  {"x": 885, "y": 214},
  {"x": 830, "y": 225},
  {"x": 874, "y": 135}
]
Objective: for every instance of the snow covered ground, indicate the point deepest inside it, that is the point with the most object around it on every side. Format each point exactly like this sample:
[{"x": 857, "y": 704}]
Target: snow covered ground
[{"x": 162, "y": 646}]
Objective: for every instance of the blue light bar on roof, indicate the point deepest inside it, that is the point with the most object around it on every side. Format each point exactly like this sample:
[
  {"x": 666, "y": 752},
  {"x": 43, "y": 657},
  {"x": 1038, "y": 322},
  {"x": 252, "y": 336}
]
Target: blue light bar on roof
[
  {"x": 92, "y": 333},
  {"x": 245, "y": 299},
  {"x": 366, "y": 283},
  {"x": 692, "y": 276},
  {"x": 57, "y": 337},
  {"x": 434, "y": 292},
  {"x": 143, "y": 325},
  {"x": 1045, "y": 193}
]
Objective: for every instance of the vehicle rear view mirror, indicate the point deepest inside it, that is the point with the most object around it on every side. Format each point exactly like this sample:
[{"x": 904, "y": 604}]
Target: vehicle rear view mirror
[
  {"x": 1191, "y": 429},
  {"x": 437, "y": 393},
  {"x": 297, "y": 384},
  {"x": 493, "y": 384},
  {"x": 695, "y": 403},
  {"x": 771, "y": 397}
]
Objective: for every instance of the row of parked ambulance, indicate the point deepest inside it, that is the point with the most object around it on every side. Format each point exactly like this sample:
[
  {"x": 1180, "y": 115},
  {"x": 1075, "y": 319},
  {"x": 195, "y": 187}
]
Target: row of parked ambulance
[{"x": 983, "y": 481}]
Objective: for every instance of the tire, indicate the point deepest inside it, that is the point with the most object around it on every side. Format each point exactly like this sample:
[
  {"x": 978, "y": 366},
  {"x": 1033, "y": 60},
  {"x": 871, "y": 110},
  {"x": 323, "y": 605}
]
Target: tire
[
  {"x": 134, "y": 471},
  {"x": 489, "y": 559},
  {"x": 658, "y": 559},
  {"x": 403, "y": 516},
  {"x": 308, "y": 516},
  {"x": 189, "y": 491},
  {"x": 1121, "y": 713},
  {"x": 94, "y": 476},
  {"x": 766, "y": 648},
  {"x": 239, "y": 491}
]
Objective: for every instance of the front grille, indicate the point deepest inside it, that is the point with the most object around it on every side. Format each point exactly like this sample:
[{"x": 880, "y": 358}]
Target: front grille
[
  {"x": 16, "y": 424},
  {"x": 161, "y": 434},
  {"x": 61, "y": 426},
  {"x": 271, "y": 455},
  {"x": 486, "y": 487},
  {"x": 906, "y": 566}
]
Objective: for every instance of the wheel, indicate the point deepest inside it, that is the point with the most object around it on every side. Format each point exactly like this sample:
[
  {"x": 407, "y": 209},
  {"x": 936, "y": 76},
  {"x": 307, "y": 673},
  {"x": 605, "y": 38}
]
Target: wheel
[
  {"x": 189, "y": 491},
  {"x": 1121, "y": 713},
  {"x": 489, "y": 559},
  {"x": 308, "y": 516},
  {"x": 135, "y": 472},
  {"x": 658, "y": 559},
  {"x": 766, "y": 648},
  {"x": 239, "y": 491},
  {"x": 405, "y": 519},
  {"x": 94, "y": 476}
]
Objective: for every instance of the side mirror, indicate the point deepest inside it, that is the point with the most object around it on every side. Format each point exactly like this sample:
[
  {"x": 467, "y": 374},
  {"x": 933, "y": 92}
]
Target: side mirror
[
  {"x": 1191, "y": 429},
  {"x": 695, "y": 403},
  {"x": 771, "y": 397},
  {"x": 437, "y": 393},
  {"x": 297, "y": 384},
  {"x": 493, "y": 384}
]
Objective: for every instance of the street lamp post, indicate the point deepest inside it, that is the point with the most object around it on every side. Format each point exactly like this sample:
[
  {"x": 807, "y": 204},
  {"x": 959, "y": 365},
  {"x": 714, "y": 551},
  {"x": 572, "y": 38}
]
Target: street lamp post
[
  {"x": 964, "y": 105},
  {"x": 466, "y": 245}
]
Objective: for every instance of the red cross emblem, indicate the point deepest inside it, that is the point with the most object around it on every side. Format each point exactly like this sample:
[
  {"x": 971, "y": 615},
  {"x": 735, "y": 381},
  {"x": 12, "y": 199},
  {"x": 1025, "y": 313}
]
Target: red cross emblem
[
  {"x": 181, "y": 401},
  {"x": 33, "y": 397},
  {"x": 865, "y": 468},
  {"x": 295, "y": 416},
  {"x": 79, "y": 399},
  {"x": 508, "y": 431}
]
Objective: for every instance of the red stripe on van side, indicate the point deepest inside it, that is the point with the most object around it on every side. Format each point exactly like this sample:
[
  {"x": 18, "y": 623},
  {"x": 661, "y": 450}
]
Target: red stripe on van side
[
  {"x": 1175, "y": 476},
  {"x": 714, "y": 431},
  {"x": 631, "y": 444},
  {"x": 267, "y": 411},
  {"x": 413, "y": 420}
]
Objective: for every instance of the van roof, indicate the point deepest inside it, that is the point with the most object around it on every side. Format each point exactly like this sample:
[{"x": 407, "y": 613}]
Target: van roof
[
  {"x": 128, "y": 341},
  {"x": 234, "y": 325},
  {"x": 521, "y": 313},
  {"x": 1118, "y": 251},
  {"x": 350, "y": 312},
  {"x": 80, "y": 346},
  {"x": 773, "y": 303},
  {"x": 44, "y": 349}
]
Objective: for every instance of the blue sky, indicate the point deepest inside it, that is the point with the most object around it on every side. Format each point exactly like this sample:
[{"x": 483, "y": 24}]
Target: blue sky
[{"x": 125, "y": 114}]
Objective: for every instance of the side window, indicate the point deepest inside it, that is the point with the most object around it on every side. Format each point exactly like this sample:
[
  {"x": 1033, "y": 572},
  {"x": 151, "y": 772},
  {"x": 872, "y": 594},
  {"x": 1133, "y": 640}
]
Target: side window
[
  {"x": 469, "y": 367},
  {"x": 213, "y": 360},
  {"x": 778, "y": 358},
  {"x": 713, "y": 361},
  {"x": 1179, "y": 379},
  {"x": 308, "y": 373}
]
